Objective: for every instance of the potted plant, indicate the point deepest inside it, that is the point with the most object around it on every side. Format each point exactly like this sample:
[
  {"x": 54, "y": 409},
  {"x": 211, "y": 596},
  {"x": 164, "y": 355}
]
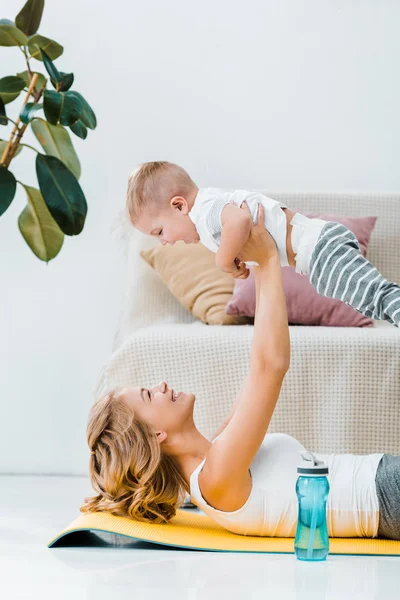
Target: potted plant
[{"x": 58, "y": 206}]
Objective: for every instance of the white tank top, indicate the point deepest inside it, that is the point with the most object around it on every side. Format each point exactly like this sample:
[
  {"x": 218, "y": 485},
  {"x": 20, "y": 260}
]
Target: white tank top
[{"x": 271, "y": 508}]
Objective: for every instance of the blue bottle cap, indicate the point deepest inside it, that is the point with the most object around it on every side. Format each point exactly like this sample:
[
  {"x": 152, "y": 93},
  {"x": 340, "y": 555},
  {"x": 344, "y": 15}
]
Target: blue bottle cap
[{"x": 310, "y": 465}]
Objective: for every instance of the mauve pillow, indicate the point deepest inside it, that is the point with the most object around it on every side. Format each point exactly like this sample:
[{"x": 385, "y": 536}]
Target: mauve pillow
[{"x": 304, "y": 305}]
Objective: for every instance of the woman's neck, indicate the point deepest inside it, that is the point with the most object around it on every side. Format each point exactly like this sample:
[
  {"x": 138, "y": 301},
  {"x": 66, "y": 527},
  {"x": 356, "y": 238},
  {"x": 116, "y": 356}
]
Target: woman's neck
[{"x": 195, "y": 448}]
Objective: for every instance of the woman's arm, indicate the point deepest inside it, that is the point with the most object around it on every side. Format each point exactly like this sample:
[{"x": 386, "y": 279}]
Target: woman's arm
[
  {"x": 220, "y": 429},
  {"x": 225, "y": 481},
  {"x": 249, "y": 250}
]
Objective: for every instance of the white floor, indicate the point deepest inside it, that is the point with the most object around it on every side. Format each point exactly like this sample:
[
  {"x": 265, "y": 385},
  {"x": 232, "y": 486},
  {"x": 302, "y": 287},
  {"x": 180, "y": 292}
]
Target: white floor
[{"x": 35, "y": 509}]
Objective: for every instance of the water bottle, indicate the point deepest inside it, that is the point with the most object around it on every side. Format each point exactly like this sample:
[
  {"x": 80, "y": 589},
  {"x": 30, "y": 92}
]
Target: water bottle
[{"x": 312, "y": 489}]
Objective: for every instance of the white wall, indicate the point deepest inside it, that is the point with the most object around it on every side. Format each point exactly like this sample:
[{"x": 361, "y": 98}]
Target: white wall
[{"x": 278, "y": 94}]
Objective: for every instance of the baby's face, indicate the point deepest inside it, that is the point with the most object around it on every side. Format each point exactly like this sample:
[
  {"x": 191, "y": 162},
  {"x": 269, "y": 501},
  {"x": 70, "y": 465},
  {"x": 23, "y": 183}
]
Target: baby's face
[{"x": 169, "y": 226}]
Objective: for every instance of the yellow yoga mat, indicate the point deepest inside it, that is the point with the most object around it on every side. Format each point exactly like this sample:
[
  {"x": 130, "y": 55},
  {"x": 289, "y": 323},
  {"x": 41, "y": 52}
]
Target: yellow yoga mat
[{"x": 196, "y": 531}]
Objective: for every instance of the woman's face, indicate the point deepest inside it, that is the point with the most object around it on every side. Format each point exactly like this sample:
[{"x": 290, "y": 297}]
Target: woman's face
[{"x": 164, "y": 409}]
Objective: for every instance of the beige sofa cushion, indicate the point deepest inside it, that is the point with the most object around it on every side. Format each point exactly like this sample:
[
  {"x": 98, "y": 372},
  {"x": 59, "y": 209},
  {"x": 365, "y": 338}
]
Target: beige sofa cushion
[{"x": 191, "y": 275}]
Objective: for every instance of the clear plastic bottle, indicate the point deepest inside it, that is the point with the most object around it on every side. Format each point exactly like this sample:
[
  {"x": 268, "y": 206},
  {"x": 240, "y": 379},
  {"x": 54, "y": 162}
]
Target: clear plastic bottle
[{"x": 312, "y": 488}]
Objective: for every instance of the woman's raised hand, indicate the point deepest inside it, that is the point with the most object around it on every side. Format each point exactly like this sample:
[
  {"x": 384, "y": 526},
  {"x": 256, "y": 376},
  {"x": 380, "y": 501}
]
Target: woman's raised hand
[{"x": 260, "y": 246}]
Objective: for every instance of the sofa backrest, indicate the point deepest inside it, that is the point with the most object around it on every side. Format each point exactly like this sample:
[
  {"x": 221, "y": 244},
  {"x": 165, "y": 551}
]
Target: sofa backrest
[{"x": 147, "y": 299}]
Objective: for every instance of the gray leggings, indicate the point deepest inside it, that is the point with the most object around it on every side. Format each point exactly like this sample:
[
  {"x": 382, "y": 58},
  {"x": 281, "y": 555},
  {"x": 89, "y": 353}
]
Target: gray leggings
[{"x": 388, "y": 491}]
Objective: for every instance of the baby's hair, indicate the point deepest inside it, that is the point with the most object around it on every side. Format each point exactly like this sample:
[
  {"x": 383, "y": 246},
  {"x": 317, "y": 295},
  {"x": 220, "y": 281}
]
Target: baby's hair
[{"x": 156, "y": 182}]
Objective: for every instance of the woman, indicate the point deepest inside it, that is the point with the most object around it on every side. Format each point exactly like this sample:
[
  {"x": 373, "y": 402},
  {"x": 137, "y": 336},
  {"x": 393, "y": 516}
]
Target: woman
[{"x": 146, "y": 452}]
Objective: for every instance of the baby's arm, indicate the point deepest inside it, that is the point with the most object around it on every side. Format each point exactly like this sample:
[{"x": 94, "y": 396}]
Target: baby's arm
[{"x": 236, "y": 226}]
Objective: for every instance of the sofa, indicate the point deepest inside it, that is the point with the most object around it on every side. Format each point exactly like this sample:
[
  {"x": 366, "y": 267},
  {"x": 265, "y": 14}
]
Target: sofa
[{"x": 342, "y": 392}]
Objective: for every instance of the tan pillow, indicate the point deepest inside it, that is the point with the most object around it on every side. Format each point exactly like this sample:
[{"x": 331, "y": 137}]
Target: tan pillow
[{"x": 190, "y": 273}]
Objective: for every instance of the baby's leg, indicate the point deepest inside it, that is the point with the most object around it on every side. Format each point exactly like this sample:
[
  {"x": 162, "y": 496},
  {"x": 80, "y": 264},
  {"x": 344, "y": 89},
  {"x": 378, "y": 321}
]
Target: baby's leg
[{"x": 339, "y": 270}]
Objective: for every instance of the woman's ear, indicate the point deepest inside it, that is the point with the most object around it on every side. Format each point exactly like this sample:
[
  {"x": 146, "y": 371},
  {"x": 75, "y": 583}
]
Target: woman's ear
[
  {"x": 179, "y": 203},
  {"x": 161, "y": 436}
]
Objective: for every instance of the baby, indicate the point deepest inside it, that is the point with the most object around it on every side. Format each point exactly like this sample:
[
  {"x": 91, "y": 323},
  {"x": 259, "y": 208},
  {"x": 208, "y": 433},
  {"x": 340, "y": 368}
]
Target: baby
[{"x": 164, "y": 202}]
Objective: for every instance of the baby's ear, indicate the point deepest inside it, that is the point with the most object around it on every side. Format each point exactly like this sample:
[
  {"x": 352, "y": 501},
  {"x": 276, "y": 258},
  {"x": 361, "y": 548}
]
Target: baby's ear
[{"x": 179, "y": 203}]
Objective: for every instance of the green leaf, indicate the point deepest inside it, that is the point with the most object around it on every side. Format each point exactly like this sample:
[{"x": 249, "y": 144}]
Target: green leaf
[
  {"x": 3, "y": 145},
  {"x": 8, "y": 185},
  {"x": 7, "y": 22},
  {"x": 3, "y": 120},
  {"x": 40, "y": 231},
  {"x": 28, "y": 19},
  {"x": 11, "y": 36},
  {"x": 28, "y": 111},
  {"x": 10, "y": 88},
  {"x": 79, "y": 129},
  {"x": 7, "y": 99},
  {"x": 40, "y": 83},
  {"x": 55, "y": 141},
  {"x": 62, "y": 194},
  {"x": 60, "y": 107},
  {"x": 87, "y": 116},
  {"x": 66, "y": 80},
  {"x": 50, "y": 68},
  {"x": 39, "y": 42}
]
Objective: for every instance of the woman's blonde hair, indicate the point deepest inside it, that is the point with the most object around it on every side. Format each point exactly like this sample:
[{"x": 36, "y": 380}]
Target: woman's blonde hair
[{"x": 129, "y": 472}]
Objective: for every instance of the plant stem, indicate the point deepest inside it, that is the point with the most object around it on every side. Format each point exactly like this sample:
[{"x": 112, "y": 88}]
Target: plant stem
[
  {"x": 15, "y": 144},
  {"x": 12, "y": 145},
  {"x": 28, "y": 65},
  {"x": 31, "y": 147},
  {"x": 8, "y": 119},
  {"x": 34, "y": 92}
]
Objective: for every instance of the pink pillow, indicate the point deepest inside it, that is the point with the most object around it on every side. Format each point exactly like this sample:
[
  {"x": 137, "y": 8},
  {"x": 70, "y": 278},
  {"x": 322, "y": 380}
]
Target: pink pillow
[{"x": 304, "y": 305}]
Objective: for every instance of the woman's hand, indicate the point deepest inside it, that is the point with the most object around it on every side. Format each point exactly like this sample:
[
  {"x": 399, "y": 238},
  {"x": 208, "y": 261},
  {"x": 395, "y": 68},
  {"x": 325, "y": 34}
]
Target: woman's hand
[{"x": 260, "y": 246}]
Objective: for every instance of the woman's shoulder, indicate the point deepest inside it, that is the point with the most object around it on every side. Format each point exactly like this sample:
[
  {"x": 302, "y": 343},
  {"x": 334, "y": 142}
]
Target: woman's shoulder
[
  {"x": 209, "y": 497},
  {"x": 208, "y": 491}
]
